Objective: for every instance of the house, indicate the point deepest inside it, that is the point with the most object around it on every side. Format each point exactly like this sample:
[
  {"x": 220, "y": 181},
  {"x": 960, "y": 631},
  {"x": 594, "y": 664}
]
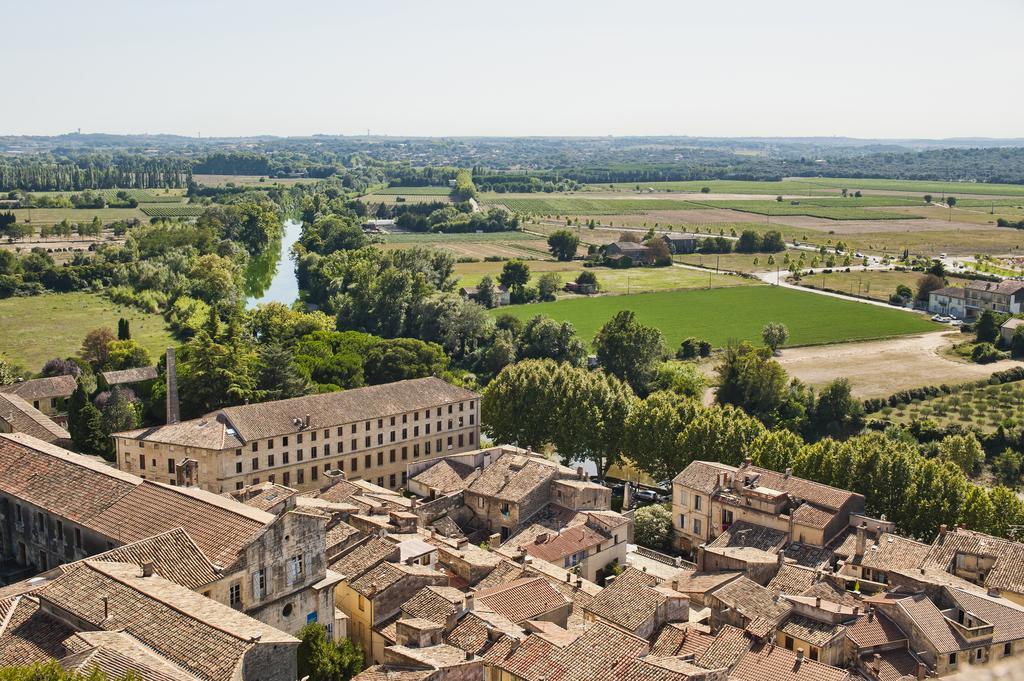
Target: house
[
  {"x": 637, "y": 603},
  {"x": 636, "y": 252},
  {"x": 18, "y": 416},
  {"x": 747, "y": 605},
  {"x": 679, "y": 243},
  {"x": 48, "y": 395},
  {"x": 769, "y": 662},
  {"x": 122, "y": 617},
  {"x": 978, "y": 558},
  {"x": 303, "y": 442},
  {"x": 525, "y": 599},
  {"x": 873, "y": 562},
  {"x": 969, "y": 301},
  {"x": 378, "y": 226},
  {"x": 58, "y": 507},
  {"x": 707, "y": 497},
  {"x": 501, "y": 294},
  {"x": 129, "y": 376},
  {"x": 1008, "y": 328}
]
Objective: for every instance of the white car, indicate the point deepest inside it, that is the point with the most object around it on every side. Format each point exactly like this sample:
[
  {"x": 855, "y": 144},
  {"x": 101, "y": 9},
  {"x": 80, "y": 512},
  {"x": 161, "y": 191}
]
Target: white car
[{"x": 938, "y": 318}]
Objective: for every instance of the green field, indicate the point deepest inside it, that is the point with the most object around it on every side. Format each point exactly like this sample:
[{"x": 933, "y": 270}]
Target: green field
[
  {"x": 791, "y": 186},
  {"x": 739, "y": 313},
  {"x": 166, "y": 211},
  {"x": 936, "y": 188},
  {"x": 434, "y": 238},
  {"x": 742, "y": 262},
  {"x": 634, "y": 280},
  {"x": 51, "y": 216},
  {"x": 578, "y": 205},
  {"x": 414, "y": 191},
  {"x": 39, "y": 328},
  {"x": 834, "y": 209}
]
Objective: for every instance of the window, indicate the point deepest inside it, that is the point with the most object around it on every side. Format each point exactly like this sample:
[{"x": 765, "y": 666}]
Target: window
[
  {"x": 380, "y": 458},
  {"x": 391, "y": 437},
  {"x": 301, "y": 475},
  {"x": 696, "y": 502},
  {"x": 405, "y": 433},
  {"x": 355, "y": 445},
  {"x": 682, "y": 497},
  {"x": 235, "y": 594},
  {"x": 142, "y": 462},
  {"x": 312, "y": 436},
  {"x": 270, "y": 444},
  {"x": 362, "y": 602},
  {"x": 380, "y": 481},
  {"x": 313, "y": 472},
  {"x": 472, "y": 438},
  {"x": 391, "y": 456},
  {"x": 286, "y": 478},
  {"x": 405, "y": 452},
  {"x": 391, "y": 480},
  {"x": 392, "y": 421},
  {"x": 471, "y": 419},
  {"x": 366, "y": 441},
  {"x": 238, "y": 466},
  {"x": 415, "y": 431},
  {"x": 284, "y": 441},
  {"x": 298, "y": 455},
  {"x": 380, "y": 438},
  {"x": 340, "y": 431},
  {"x": 270, "y": 460},
  {"x": 238, "y": 485},
  {"x": 298, "y": 438},
  {"x": 170, "y": 465},
  {"x": 426, "y": 429},
  {"x": 295, "y": 568},
  {"x": 259, "y": 583},
  {"x": 353, "y": 429},
  {"x": 355, "y": 464},
  {"x": 78, "y": 538},
  {"x": 449, "y": 442},
  {"x": 60, "y": 530},
  {"x": 462, "y": 439},
  {"x": 366, "y": 426},
  {"x": 682, "y": 521},
  {"x": 284, "y": 458},
  {"x": 789, "y": 643},
  {"x": 1007, "y": 649},
  {"x": 312, "y": 452},
  {"x": 450, "y": 408},
  {"x": 405, "y": 477},
  {"x": 255, "y": 463},
  {"x": 696, "y": 525},
  {"x": 327, "y": 433},
  {"x": 366, "y": 461},
  {"x": 978, "y": 653},
  {"x": 952, "y": 659},
  {"x": 814, "y": 653},
  {"x": 255, "y": 446},
  {"x": 327, "y": 450}
]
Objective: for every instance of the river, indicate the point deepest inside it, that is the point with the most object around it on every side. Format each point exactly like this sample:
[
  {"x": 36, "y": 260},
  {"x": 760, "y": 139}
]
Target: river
[{"x": 270, "y": 278}]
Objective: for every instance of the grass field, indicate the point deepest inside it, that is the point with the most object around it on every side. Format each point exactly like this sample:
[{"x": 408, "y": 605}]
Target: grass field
[
  {"x": 497, "y": 244},
  {"x": 177, "y": 211},
  {"x": 875, "y": 284},
  {"x": 578, "y": 205},
  {"x": 791, "y": 186},
  {"x": 434, "y": 238},
  {"x": 936, "y": 188},
  {"x": 39, "y": 328},
  {"x": 414, "y": 191},
  {"x": 738, "y": 313},
  {"x": 837, "y": 211},
  {"x": 51, "y": 216},
  {"x": 250, "y": 180},
  {"x": 635, "y": 280},
  {"x": 741, "y": 262}
]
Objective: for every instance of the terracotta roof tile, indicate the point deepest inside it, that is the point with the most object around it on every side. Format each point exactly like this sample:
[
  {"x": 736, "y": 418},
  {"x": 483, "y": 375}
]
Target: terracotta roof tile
[
  {"x": 42, "y": 388},
  {"x": 813, "y": 631},
  {"x": 596, "y": 655},
  {"x": 930, "y": 620},
  {"x": 174, "y": 555},
  {"x": 893, "y": 552},
  {"x": 630, "y": 601},
  {"x": 702, "y": 475},
  {"x": 752, "y": 600},
  {"x": 769, "y": 662},
  {"x": 28, "y": 635},
  {"x": 874, "y": 630},
  {"x": 729, "y": 645},
  {"x": 22, "y": 417},
  {"x": 364, "y": 557},
  {"x": 791, "y": 579},
  {"x": 447, "y": 476},
  {"x": 124, "y": 376},
  {"x": 514, "y": 476},
  {"x": 523, "y": 599},
  {"x": 1006, "y": 616}
]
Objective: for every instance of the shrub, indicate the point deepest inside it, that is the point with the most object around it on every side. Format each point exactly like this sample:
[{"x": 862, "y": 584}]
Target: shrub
[{"x": 985, "y": 353}]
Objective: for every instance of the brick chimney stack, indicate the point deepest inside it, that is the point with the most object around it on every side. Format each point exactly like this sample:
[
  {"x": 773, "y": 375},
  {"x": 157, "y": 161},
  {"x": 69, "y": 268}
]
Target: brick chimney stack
[{"x": 173, "y": 407}]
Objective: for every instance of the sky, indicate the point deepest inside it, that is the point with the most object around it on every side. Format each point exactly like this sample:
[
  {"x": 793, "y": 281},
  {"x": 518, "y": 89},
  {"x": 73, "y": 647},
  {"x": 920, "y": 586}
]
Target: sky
[{"x": 880, "y": 69}]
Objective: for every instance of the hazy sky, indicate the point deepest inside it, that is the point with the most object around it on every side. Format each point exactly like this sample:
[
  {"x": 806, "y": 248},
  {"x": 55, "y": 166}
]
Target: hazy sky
[{"x": 898, "y": 68}]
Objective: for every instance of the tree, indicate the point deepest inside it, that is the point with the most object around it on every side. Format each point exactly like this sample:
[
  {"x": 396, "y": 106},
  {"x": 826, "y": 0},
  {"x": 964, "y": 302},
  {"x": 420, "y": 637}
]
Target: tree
[
  {"x": 321, "y": 659},
  {"x": 1017, "y": 342},
  {"x": 59, "y": 367},
  {"x": 88, "y": 436},
  {"x": 400, "y": 359},
  {"x": 547, "y": 285},
  {"x": 682, "y": 378},
  {"x": 750, "y": 379},
  {"x": 1007, "y": 467},
  {"x": 775, "y": 449},
  {"x": 96, "y": 347},
  {"x": 1007, "y": 511},
  {"x": 278, "y": 377},
  {"x": 775, "y": 335},
  {"x": 986, "y": 329},
  {"x": 485, "y": 292},
  {"x": 660, "y": 251},
  {"x": 545, "y": 338},
  {"x": 587, "y": 278},
  {"x": 515, "y": 274},
  {"x": 464, "y": 188},
  {"x": 904, "y": 291},
  {"x": 772, "y": 242},
  {"x": 53, "y": 671},
  {"x": 836, "y": 412},
  {"x": 126, "y": 354},
  {"x": 123, "y": 329},
  {"x": 653, "y": 429},
  {"x": 118, "y": 414},
  {"x": 977, "y": 511},
  {"x": 652, "y": 526},
  {"x": 927, "y": 283},
  {"x": 563, "y": 244},
  {"x": 963, "y": 450},
  {"x": 720, "y": 433},
  {"x": 749, "y": 242},
  {"x": 927, "y": 198},
  {"x": 629, "y": 350}
]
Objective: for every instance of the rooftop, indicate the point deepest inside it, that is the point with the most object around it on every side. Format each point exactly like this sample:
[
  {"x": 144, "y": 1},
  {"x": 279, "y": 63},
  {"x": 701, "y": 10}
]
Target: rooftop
[
  {"x": 522, "y": 599},
  {"x": 24, "y": 418},
  {"x": 631, "y": 600},
  {"x": 769, "y": 662},
  {"x": 123, "y": 376},
  {"x": 42, "y": 388},
  {"x": 513, "y": 476}
]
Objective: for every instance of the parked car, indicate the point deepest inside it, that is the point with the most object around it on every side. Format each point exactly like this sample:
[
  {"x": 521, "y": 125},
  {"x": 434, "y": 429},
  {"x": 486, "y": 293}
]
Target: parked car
[{"x": 646, "y": 495}]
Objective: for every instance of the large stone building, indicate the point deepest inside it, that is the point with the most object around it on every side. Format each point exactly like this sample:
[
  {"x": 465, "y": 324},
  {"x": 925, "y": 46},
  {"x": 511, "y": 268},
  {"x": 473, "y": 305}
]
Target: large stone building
[
  {"x": 968, "y": 301},
  {"x": 368, "y": 433},
  {"x": 58, "y": 507},
  {"x": 707, "y": 498}
]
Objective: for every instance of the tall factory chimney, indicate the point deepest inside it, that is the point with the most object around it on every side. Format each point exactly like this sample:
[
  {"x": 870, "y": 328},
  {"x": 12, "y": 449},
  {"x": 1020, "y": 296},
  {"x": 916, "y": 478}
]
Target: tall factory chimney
[{"x": 173, "y": 408}]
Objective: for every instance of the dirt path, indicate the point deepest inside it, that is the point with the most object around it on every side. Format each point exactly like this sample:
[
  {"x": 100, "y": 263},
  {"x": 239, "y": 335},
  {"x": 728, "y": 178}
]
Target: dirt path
[{"x": 879, "y": 368}]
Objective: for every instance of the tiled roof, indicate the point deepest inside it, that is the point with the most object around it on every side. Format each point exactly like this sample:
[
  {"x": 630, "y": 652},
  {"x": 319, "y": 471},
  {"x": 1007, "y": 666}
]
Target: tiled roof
[
  {"x": 514, "y": 476},
  {"x": 42, "y": 388},
  {"x": 382, "y": 672},
  {"x": 27, "y": 634},
  {"x": 364, "y": 557},
  {"x": 222, "y": 528},
  {"x": 70, "y": 485},
  {"x": 263, "y": 496},
  {"x": 1008, "y": 571},
  {"x": 385, "y": 575},
  {"x": 752, "y": 600},
  {"x": 742, "y": 534},
  {"x": 22, "y": 417},
  {"x": 194, "y": 632},
  {"x": 1007, "y": 287},
  {"x": 1004, "y": 615},
  {"x": 208, "y": 432},
  {"x": 702, "y": 475},
  {"x": 810, "y": 515},
  {"x": 117, "y": 654},
  {"x": 678, "y": 639},
  {"x": 893, "y": 665},
  {"x": 471, "y": 634},
  {"x": 340, "y": 533},
  {"x": 447, "y": 476},
  {"x": 123, "y": 376},
  {"x": 556, "y": 546},
  {"x": 769, "y": 662},
  {"x": 791, "y": 579},
  {"x": 930, "y": 620},
  {"x": 831, "y": 593},
  {"x": 596, "y": 655},
  {"x": 893, "y": 552},
  {"x": 434, "y": 603},
  {"x": 831, "y": 498},
  {"x": 874, "y": 630},
  {"x": 729, "y": 645},
  {"x": 271, "y": 419},
  {"x": 630, "y": 601},
  {"x": 702, "y": 582},
  {"x": 504, "y": 572},
  {"x": 174, "y": 555},
  {"x": 523, "y": 599},
  {"x": 811, "y": 630}
]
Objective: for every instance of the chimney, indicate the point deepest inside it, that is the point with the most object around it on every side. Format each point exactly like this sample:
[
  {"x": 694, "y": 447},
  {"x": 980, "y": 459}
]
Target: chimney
[
  {"x": 789, "y": 472},
  {"x": 876, "y": 662},
  {"x": 467, "y": 603},
  {"x": 579, "y": 473},
  {"x": 856, "y": 610},
  {"x": 922, "y": 671},
  {"x": 541, "y": 538},
  {"x": 862, "y": 534},
  {"x": 147, "y": 568},
  {"x": 106, "y": 608},
  {"x": 871, "y": 614},
  {"x": 817, "y": 601},
  {"x": 799, "y": 657},
  {"x": 306, "y": 424},
  {"x": 173, "y": 407},
  {"x": 943, "y": 528},
  {"x": 747, "y": 462},
  {"x": 993, "y": 591}
]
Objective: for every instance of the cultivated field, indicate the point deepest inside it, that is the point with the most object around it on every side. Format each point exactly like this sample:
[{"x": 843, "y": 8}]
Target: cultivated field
[
  {"x": 933, "y": 187},
  {"x": 249, "y": 180},
  {"x": 741, "y": 262},
  {"x": 738, "y": 313},
  {"x": 635, "y": 280},
  {"x": 801, "y": 186},
  {"x": 176, "y": 211},
  {"x": 579, "y": 205},
  {"x": 834, "y": 209},
  {"x": 986, "y": 407},
  {"x": 875, "y": 284},
  {"x": 39, "y": 328},
  {"x": 414, "y": 191},
  {"x": 495, "y": 244},
  {"x": 880, "y": 368},
  {"x": 52, "y": 216}
]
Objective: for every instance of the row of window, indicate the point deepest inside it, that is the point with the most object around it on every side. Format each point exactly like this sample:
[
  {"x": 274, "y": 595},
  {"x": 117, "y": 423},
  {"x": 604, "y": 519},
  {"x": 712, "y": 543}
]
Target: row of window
[
  {"x": 285, "y": 457},
  {"x": 393, "y": 436},
  {"x": 52, "y": 531}
]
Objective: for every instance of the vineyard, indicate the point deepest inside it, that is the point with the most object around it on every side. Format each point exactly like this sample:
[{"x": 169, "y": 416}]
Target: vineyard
[
  {"x": 811, "y": 208},
  {"x": 414, "y": 191},
  {"x": 583, "y": 206},
  {"x": 140, "y": 195},
  {"x": 177, "y": 211}
]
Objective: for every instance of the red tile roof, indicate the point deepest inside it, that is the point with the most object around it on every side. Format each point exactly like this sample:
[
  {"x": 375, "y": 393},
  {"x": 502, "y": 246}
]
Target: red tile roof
[{"x": 523, "y": 599}]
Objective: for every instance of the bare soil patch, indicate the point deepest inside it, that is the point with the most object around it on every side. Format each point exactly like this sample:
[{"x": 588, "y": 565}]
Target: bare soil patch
[{"x": 880, "y": 368}]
